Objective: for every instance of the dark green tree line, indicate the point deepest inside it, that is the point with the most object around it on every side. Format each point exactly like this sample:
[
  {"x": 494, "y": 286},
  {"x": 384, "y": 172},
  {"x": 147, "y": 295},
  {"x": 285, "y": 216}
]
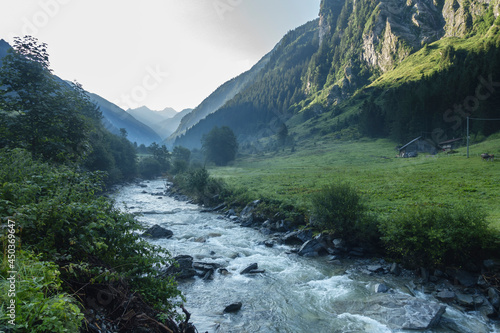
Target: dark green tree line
[{"x": 220, "y": 145}]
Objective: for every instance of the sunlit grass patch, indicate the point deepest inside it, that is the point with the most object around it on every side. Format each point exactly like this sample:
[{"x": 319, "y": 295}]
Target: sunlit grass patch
[{"x": 371, "y": 166}]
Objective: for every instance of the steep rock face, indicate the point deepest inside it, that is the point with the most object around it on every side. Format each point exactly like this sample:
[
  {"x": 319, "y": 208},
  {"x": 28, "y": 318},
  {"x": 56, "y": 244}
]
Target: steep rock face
[
  {"x": 461, "y": 14},
  {"x": 328, "y": 15},
  {"x": 458, "y": 19},
  {"x": 399, "y": 28}
]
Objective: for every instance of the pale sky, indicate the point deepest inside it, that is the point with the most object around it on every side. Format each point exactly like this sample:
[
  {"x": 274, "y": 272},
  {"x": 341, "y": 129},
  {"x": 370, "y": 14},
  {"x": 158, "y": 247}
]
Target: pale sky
[{"x": 158, "y": 53}]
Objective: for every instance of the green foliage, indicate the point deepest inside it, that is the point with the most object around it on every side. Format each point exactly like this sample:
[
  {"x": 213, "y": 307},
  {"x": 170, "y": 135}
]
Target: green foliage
[
  {"x": 484, "y": 23},
  {"x": 179, "y": 166},
  {"x": 41, "y": 305},
  {"x": 149, "y": 167},
  {"x": 282, "y": 134},
  {"x": 220, "y": 145},
  {"x": 339, "y": 208},
  {"x": 113, "y": 154},
  {"x": 372, "y": 120},
  {"x": 161, "y": 154},
  {"x": 197, "y": 180},
  {"x": 431, "y": 235},
  {"x": 181, "y": 157},
  {"x": 62, "y": 218},
  {"x": 197, "y": 183},
  {"x": 157, "y": 163},
  {"x": 46, "y": 116},
  {"x": 55, "y": 120}
]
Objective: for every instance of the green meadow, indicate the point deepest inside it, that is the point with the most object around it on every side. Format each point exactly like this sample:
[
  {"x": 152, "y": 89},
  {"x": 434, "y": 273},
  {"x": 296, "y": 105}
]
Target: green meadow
[{"x": 371, "y": 166}]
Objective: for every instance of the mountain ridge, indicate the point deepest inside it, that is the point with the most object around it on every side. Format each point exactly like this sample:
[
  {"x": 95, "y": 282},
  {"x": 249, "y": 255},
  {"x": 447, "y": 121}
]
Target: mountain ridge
[
  {"x": 324, "y": 78},
  {"x": 218, "y": 98},
  {"x": 163, "y": 122},
  {"x": 114, "y": 118}
]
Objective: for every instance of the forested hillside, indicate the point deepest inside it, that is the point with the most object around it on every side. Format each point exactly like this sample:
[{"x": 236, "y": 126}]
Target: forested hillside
[
  {"x": 373, "y": 68},
  {"x": 216, "y": 100},
  {"x": 260, "y": 108}
]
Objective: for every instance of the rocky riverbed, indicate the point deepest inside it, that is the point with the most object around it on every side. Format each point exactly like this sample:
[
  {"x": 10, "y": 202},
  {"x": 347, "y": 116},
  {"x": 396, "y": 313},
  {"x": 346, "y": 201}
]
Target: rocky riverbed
[{"x": 242, "y": 274}]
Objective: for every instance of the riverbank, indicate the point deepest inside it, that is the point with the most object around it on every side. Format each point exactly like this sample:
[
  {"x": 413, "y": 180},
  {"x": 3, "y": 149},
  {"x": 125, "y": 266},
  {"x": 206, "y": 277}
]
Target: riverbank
[{"x": 473, "y": 289}]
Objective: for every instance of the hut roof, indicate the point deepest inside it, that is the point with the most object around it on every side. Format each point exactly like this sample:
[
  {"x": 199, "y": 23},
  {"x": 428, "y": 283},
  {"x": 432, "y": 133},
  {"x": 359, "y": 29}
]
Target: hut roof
[{"x": 409, "y": 143}]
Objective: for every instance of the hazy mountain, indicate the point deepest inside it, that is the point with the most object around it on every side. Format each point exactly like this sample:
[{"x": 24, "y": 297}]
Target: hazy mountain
[
  {"x": 163, "y": 122},
  {"x": 253, "y": 111},
  {"x": 150, "y": 117},
  {"x": 219, "y": 97},
  {"x": 168, "y": 126},
  {"x": 380, "y": 68},
  {"x": 115, "y": 118}
]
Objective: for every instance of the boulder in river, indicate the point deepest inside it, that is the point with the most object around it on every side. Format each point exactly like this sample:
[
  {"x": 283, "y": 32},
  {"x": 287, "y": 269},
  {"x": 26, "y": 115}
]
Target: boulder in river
[
  {"x": 235, "y": 307},
  {"x": 380, "y": 288},
  {"x": 312, "y": 248},
  {"x": 184, "y": 268},
  {"x": 156, "y": 232},
  {"x": 252, "y": 269},
  {"x": 297, "y": 237}
]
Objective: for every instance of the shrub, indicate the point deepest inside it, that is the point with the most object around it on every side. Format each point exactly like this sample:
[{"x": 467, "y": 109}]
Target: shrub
[
  {"x": 338, "y": 208},
  {"x": 432, "y": 235},
  {"x": 149, "y": 168},
  {"x": 179, "y": 166},
  {"x": 197, "y": 180},
  {"x": 61, "y": 217},
  {"x": 41, "y": 304}
]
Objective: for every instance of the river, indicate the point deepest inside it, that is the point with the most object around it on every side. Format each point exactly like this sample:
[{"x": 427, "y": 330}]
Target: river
[{"x": 294, "y": 294}]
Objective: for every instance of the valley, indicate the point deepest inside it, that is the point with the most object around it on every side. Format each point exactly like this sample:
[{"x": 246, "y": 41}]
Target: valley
[{"x": 371, "y": 166}]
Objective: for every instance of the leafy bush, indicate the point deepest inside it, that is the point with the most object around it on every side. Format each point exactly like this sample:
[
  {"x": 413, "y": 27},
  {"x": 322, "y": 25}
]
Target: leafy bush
[
  {"x": 179, "y": 166},
  {"x": 198, "y": 184},
  {"x": 434, "y": 235},
  {"x": 197, "y": 180},
  {"x": 63, "y": 219},
  {"x": 41, "y": 304},
  {"x": 149, "y": 167},
  {"x": 339, "y": 208}
]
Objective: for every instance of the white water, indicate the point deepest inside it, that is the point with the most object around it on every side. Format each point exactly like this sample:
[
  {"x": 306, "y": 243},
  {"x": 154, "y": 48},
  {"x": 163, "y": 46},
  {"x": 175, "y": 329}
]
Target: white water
[{"x": 294, "y": 294}]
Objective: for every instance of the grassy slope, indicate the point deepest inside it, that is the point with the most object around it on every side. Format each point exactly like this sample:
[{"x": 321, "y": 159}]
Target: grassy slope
[
  {"x": 426, "y": 61},
  {"x": 371, "y": 166}
]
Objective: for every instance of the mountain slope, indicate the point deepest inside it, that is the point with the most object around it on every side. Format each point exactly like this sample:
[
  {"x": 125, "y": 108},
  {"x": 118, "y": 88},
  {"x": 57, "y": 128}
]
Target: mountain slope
[
  {"x": 219, "y": 97},
  {"x": 260, "y": 107},
  {"x": 115, "y": 118},
  {"x": 370, "y": 68},
  {"x": 167, "y": 127},
  {"x": 150, "y": 117},
  {"x": 163, "y": 122}
]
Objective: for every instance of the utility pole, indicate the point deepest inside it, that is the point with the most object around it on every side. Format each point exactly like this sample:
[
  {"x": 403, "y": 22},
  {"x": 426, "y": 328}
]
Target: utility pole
[{"x": 467, "y": 137}]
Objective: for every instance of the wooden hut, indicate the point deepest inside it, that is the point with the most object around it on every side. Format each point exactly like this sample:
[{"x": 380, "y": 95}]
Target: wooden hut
[{"x": 417, "y": 145}]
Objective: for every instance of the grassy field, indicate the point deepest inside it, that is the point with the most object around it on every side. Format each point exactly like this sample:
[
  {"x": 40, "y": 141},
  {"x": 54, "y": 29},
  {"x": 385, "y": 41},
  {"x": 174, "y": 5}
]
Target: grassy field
[{"x": 387, "y": 182}]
